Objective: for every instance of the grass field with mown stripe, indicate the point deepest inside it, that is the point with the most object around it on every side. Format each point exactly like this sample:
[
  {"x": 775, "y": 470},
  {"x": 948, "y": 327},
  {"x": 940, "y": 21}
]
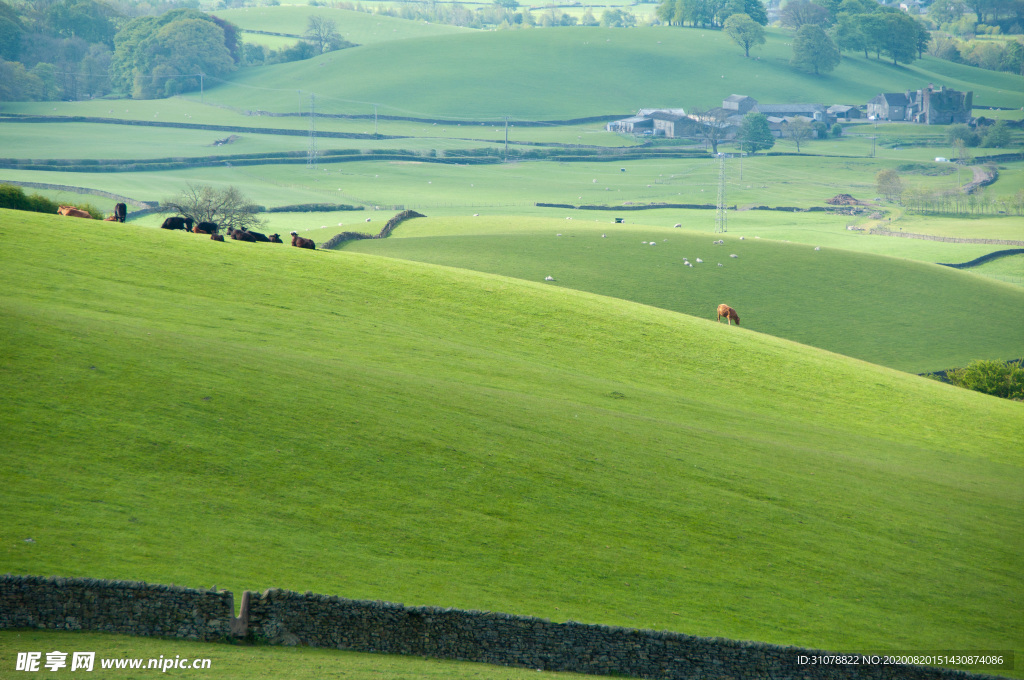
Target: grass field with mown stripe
[{"x": 183, "y": 411}]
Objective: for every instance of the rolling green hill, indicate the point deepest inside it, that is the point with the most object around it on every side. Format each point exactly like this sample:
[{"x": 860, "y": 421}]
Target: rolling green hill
[
  {"x": 180, "y": 410},
  {"x": 356, "y": 27},
  {"x": 894, "y": 312},
  {"x": 552, "y": 74}
]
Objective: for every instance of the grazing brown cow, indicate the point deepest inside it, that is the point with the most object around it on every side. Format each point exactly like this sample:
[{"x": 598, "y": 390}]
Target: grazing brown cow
[
  {"x": 72, "y": 211},
  {"x": 729, "y": 313},
  {"x": 216, "y": 237},
  {"x": 300, "y": 242},
  {"x": 275, "y": 238}
]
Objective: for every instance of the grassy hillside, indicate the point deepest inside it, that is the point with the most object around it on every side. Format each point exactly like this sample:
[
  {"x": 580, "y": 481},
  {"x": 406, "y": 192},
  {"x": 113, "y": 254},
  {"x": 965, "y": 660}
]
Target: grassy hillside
[
  {"x": 180, "y": 410},
  {"x": 551, "y": 74},
  {"x": 356, "y": 27},
  {"x": 893, "y": 312}
]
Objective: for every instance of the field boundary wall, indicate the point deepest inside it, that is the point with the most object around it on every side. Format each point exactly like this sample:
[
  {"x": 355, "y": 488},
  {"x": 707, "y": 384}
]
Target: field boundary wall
[
  {"x": 985, "y": 258},
  {"x": 285, "y": 617},
  {"x": 882, "y": 231}
]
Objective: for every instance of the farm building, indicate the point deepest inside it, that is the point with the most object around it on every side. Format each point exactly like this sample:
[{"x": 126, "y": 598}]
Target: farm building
[
  {"x": 842, "y": 112},
  {"x": 927, "y": 105}
]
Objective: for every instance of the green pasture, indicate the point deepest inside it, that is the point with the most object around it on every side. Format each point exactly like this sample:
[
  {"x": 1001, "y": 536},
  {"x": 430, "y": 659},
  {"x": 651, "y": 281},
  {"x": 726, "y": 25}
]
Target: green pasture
[
  {"x": 182, "y": 411},
  {"x": 1008, "y": 269},
  {"x": 1002, "y": 228},
  {"x": 897, "y": 313},
  {"x": 563, "y": 73},
  {"x": 360, "y": 28},
  {"x": 272, "y": 42},
  {"x": 250, "y": 662}
]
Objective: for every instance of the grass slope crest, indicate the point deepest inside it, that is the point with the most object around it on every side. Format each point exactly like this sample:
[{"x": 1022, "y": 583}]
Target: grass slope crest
[{"x": 407, "y": 432}]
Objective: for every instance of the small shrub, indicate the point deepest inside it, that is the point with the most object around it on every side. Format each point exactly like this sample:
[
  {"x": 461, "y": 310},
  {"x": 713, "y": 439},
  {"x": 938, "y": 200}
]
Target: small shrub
[{"x": 991, "y": 376}]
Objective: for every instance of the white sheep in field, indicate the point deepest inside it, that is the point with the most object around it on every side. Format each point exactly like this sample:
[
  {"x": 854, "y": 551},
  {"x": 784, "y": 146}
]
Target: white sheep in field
[
  {"x": 743, "y": 238},
  {"x": 734, "y": 255},
  {"x": 817, "y": 248},
  {"x": 654, "y": 243},
  {"x": 604, "y": 235},
  {"x": 677, "y": 226},
  {"x": 720, "y": 264},
  {"x": 549, "y": 278},
  {"x": 700, "y": 261}
]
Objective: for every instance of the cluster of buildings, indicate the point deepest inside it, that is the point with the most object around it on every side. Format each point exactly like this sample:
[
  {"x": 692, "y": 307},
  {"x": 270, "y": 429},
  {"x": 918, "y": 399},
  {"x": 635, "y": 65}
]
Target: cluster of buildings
[{"x": 928, "y": 106}]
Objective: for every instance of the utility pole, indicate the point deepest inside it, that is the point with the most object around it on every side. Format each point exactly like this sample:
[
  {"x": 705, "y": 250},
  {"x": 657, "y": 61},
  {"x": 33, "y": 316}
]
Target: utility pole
[
  {"x": 720, "y": 217},
  {"x": 311, "y": 156},
  {"x": 201, "y": 87}
]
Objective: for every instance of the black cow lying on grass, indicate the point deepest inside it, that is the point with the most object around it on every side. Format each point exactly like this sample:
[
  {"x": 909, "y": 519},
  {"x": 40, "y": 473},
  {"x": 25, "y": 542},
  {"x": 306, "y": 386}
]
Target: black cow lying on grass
[
  {"x": 275, "y": 238},
  {"x": 217, "y": 237},
  {"x": 205, "y": 228},
  {"x": 184, "y": 223},
  {"x": 240, "y": 235},
  {"x": 244, "y": 234}
]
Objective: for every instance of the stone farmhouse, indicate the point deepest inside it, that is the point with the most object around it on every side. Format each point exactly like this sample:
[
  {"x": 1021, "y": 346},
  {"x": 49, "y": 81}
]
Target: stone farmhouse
[
  {"x": 927, "y": 105},
  {"x": 677, "y": 123}
]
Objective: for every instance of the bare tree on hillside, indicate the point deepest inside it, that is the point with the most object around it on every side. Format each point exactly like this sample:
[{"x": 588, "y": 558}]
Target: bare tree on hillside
[
  {"x": 323, "y": 33},
  {"x": 709, "y": 126},
  {"x": 225, "y": 207}
]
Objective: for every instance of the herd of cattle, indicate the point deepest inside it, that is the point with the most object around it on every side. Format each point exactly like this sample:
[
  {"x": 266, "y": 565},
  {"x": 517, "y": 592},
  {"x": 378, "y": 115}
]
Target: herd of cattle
[
  {"x": 243, "y": 234},
  {"x": 188, "y": 224}
]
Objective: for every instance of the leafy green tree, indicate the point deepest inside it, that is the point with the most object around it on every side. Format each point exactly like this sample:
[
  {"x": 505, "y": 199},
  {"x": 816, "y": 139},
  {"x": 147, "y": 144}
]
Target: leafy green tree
[
  {"x": 998, "y": 378},
  {"x": 962, "y": 133},
  {"x": 889, "y": 185},
  {"x": 848, "y": 34},
  {"x": 946, "y": 11},
  {"x": 814, "y": 50},
  {"x": 797, "y": 13},
  {"x": 83, "y": 19},
  {"x": 755, "y": 134},
  {"x": 161, "y": 56},
  {"x": 12, "y": 29},
  {"x": 752, "y": 8},
  {"x": 894, "y": 34},
  {"x": 617, "y": 18},
  {"x": 744, "y": 31},
  {"x": 17, "y": 84},
  {"x": 998, "y": 135}
]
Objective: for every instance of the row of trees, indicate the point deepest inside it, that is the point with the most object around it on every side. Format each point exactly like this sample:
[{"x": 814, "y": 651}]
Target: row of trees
[
  {"x": 953, "y": 201},
  {"x": 993, "y": 55},
  {"x": 73, "y": 49},
  {"x": 709, "y": 12}
]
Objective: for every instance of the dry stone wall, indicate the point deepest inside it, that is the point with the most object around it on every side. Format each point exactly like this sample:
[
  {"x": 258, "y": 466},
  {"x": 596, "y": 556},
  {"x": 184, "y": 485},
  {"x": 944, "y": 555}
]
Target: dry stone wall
[
  {"x": 289, "y": 618},
  {"x": 126, "y": 607}
]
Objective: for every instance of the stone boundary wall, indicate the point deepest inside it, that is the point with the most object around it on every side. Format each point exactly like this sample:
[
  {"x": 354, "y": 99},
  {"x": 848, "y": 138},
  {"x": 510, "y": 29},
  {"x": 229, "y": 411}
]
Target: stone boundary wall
[
  {"x": 883, "y": 231},
  {"x": 985, "y": 258},
  {"x": 284, "y": 617},
  {"x": 125, "y": 607},
  {"x": 338, "y": 239}
]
